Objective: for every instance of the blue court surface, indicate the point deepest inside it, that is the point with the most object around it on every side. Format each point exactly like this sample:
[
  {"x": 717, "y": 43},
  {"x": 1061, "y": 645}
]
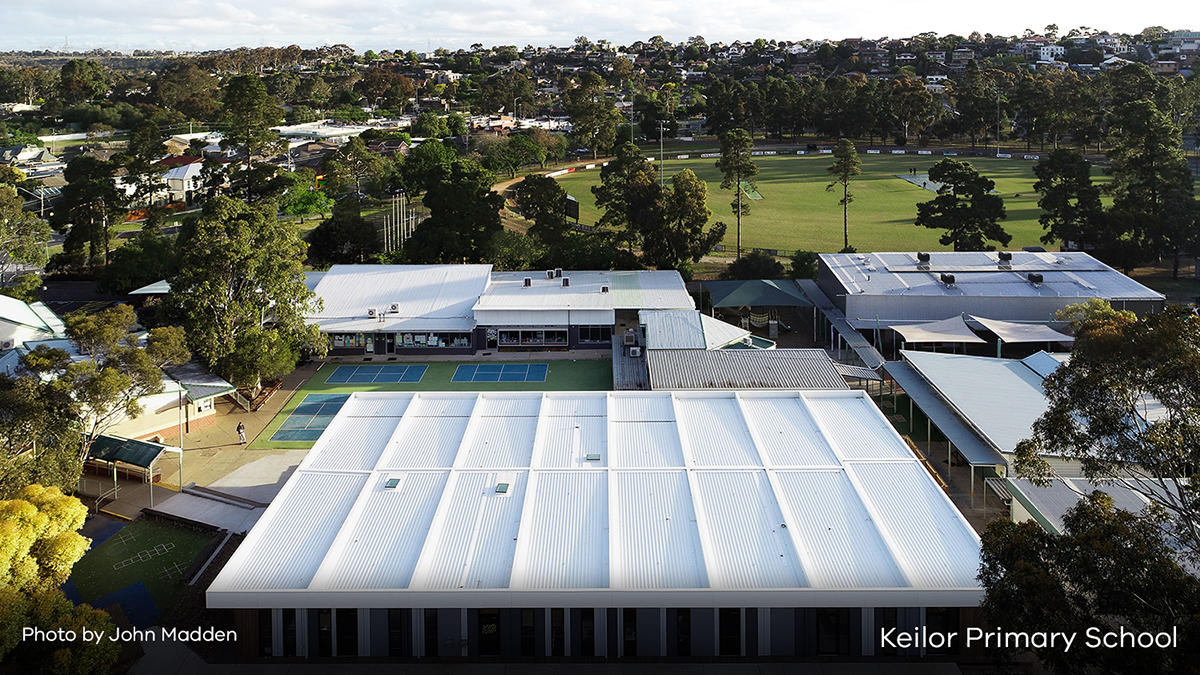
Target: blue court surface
[
  {"x": 368, "y": 374},
  {"x": 495, "y": 372},
  {"x": 311, "y": 417}
]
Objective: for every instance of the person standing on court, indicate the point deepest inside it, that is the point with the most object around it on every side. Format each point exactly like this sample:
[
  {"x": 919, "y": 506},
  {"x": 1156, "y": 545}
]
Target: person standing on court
[{"x": 241, "y": 429}]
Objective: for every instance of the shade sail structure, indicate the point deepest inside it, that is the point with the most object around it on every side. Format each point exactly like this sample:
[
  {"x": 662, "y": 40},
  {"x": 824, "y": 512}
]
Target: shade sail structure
[
  {"x": 1012, "y": 332},
  {"x": 756, "y": 293},
  {"x": 953, "y": 329}
]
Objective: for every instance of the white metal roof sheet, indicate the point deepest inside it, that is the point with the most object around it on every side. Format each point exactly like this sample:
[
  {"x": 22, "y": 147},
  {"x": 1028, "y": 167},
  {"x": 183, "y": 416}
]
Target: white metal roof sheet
[
  {"x": 287, "y": 544},
  {"x": 949, "y": 556},
  {"x": 498, "y": 442},
  {"x": 644, "y": 445},
  {"x": 840, "y": 545},
  {"x": 569, "y": 405},
  {"x": 473, "y": 536},
  {"x": 644, "y": 289},
  {"x": 856, "y": 428},
  {"x": 657, "y": 543},
  {"x": 716, "y": 432},
  {"x": 641, "y": 408},
  {"x": 363, "y": 560},
  {"x": 425, "y": 443},
  {"x": 418, "y": 291},
  {"x": 750, "y": 548},
  {"x": 371, "y": 436},
  {"x": 566, "y": 442},
  {"x": 787, "y": 434},
  {"x": 565, "y": 534}
]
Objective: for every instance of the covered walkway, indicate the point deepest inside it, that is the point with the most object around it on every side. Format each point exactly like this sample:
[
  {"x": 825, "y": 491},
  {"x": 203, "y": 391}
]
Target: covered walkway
[{"x": 840, "y": 332}]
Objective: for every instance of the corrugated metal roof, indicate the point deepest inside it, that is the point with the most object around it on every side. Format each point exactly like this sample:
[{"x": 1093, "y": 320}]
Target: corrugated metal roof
[
  {"x": 565, "y": 542},
  {"x": 428, "y": 297},
  {"x": 1078, "y": 275},
  {"x": 1049, "y": 504},
  {"x": 785, "y": 492},
  {"x": 1000, "y": 397},
  {"x": 687, "y": 329},
  {"x": 742, "y": 369},
  {"x": 657, "y": 541},
  {"x": 646, "y": 289}
]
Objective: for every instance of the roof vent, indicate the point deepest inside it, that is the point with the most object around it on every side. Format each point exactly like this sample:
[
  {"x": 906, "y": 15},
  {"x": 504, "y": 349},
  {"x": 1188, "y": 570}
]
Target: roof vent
[
  {"x": 372, "y": 312},
  {"x": 604, "y": 289},
  {"x": 501, "y": 488},
  {"x": 1005, "y": 256},
  {"x": 593, "y": 457},
  {"x": 947, "y": 279},
  {"x": 1035, "y": 279},
  {"x": 394, "y": 308},
  {"x": 528, "y": 282},
  {"x": 392, "y": 483},
  {"x": 923, "y": 258},
  {"x": 549, "y": 274},
  {"x": 557, "y": 272},
  {"x": 566, "y": 281}
]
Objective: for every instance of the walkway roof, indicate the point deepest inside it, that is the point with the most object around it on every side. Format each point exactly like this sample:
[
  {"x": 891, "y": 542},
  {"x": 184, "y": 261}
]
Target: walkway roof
[
  {"x": 1013, "y": 332},
  {"x": 756, "y": 293},
  {"x": 953, "y": 329}
]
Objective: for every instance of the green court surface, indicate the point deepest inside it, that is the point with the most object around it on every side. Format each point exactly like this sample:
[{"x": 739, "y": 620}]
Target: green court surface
[
  {"x": 750, "y": 191},
  {"x": 157, "y": 554},
  {"x": 589, "y": 375},
  {"x": 802, "y": 215}
]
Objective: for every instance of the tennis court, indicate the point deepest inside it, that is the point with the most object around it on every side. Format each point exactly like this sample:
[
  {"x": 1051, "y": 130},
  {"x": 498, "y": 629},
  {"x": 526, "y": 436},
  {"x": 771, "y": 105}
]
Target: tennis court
[
  {"x": 525, "y": 372},
  {"x": 367, "y": 374},
  {"x": 311, "y": 417}
]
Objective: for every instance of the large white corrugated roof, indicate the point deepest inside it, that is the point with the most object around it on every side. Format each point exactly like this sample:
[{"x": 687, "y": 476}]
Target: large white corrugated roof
[
  {"x": 644, "y": 289},
  {"x": 428, "y": 297},
  {"x": 629, "y": 498}
]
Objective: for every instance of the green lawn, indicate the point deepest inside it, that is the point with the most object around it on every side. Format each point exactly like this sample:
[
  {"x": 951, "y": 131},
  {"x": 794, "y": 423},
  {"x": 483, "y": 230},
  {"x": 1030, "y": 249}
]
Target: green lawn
[
  {"x": 796, "y": 212},
  {"x": 154, "y": 553},
  {"x": 590, "y": 375}
]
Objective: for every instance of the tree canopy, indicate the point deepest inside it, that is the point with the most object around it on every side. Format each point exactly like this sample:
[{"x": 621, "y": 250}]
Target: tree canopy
[
  {"x": 737, "y": 167},
  {"x": 464, "y": 214},
  {"x": 965, "y": 207},
  {"x": 240, "y": 291},
  {"x": 843, "y": 171}
]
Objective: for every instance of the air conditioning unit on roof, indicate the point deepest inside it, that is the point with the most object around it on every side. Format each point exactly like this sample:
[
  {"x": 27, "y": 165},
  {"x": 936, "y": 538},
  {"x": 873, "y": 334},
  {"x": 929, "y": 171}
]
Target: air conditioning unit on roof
[
  {"x": 372, "y": 312},
  {"x": 395, "y": 307}
]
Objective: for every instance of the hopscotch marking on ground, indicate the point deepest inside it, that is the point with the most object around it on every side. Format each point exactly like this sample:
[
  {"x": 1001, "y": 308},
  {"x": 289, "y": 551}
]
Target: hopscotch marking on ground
[
  {"x": 143, "y": 556},
  {"x": 125, "y": 537},
  {"x": 171, "y": 572}
]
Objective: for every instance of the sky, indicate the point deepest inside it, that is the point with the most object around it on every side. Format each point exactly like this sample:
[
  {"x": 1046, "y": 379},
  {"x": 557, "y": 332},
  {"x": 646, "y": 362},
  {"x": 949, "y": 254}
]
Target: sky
[{"x": 125, "y": 25}]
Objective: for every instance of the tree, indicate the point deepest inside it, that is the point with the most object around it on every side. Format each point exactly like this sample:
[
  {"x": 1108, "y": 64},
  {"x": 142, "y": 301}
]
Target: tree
[
  {"x": 41, "y": 544},
  {"x": 148, "y": 257},
  {"x": 424, "y": 164},
  {"x": 804, "y": 265},
  {"x": 543, "y": 201},
  {"x": 913, "y": 104},
  {"x": 754, "y": 265},
  {"x": 303, "y": 198},
  {"x": 1073, "y": 213},
  {"x": 430, "y": 125},
  {"x": 1149, "y": 173},
  {"x": 847, "y": 166},
  {"x": 593, "y": 116},
  {"x": 345, "y": 238},
  {"x": 1109, "y": 568},
  {"x": 964, "y": 207},
  {"x": 109, "y": 384},
  {"x": 974, "y": 103},
  {"x": 1098, "y": 413},
  {"x": 629, "y": 195},
  {"x": 23, "y": 236},
  {"x": 353, "y": 164},
  {"x": 81, "y": 80},
  {"x": 39, "y": 434},
  {"x": 464, "y": 214},
  {"x": 142, "y": 166},
  {"x": 738, "y": 168},
  {"x": 250, "y": 113},
  {"x": 680, "y": 239},
  {"x": 245, "y": 269},
  {"x": 91, "y": 203}
]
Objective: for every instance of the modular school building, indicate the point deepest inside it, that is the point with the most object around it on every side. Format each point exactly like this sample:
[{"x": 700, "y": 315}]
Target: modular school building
[
  {"x": 461, "y": 309},
  {"x": 603, "y": 524}
]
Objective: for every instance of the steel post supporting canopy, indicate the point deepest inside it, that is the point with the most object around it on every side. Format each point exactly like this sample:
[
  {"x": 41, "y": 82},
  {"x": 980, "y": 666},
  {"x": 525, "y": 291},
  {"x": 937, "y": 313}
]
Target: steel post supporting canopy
[
  {"x": 965, "y": 440},
  {"x": 1012, "y": 332},
  {"x": 953, "y": 329}
]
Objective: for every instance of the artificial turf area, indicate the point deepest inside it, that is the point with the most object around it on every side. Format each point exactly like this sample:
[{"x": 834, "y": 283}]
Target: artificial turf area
[
  {"x": 156, "y": 554},
  {"x": 589, "y": 375},
  {"x": 797, "y": 213}
]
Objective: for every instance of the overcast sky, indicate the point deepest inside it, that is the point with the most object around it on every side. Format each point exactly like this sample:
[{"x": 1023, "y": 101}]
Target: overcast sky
[{"x": 125, "y": 25}]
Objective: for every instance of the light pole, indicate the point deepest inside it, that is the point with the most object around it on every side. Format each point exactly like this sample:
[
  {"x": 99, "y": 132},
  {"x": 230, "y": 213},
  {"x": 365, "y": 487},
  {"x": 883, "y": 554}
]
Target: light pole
[
  {"x": 660, "y": 154},
  {"x": 38, "y": 196}
]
